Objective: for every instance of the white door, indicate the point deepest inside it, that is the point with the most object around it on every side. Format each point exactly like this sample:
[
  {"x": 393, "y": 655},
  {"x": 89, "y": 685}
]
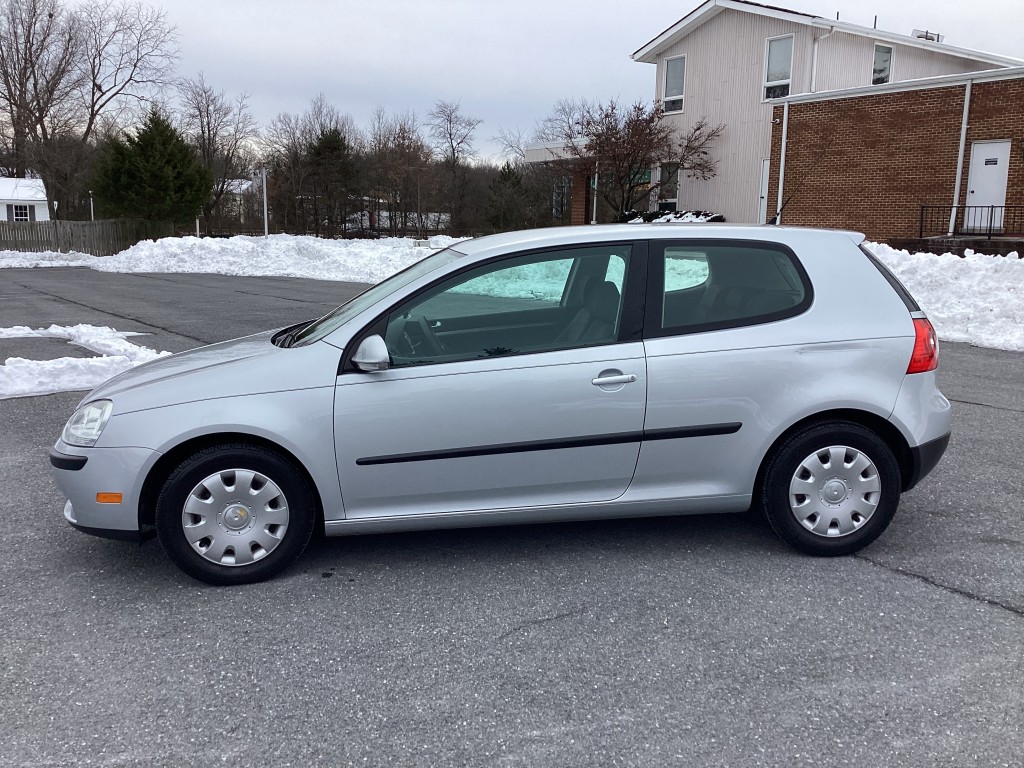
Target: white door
[
  {"x": 986, "y": 194},
  {"x": 762, "y": 202}
]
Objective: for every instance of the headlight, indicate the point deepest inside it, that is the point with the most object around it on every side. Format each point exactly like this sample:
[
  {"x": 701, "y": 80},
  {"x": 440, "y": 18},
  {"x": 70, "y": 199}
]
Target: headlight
[{"x": 85, "y": 426}]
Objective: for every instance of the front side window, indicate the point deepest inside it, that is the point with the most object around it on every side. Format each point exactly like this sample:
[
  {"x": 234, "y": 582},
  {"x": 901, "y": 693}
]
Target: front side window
[
  {"x": 21, "y": 213},
  {"x": 330, "y": 322},
  {"x": 528, "y": 304},
  {"x": 778, "y": 67},
  {"x": 675, "y": 83},
  {"x": 881, "y": 72},
  {"x": 723, "y": 285}
]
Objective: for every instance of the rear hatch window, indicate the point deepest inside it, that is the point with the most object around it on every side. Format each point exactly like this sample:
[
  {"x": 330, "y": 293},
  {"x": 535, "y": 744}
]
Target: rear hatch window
[{"x": 893, "y": 280}]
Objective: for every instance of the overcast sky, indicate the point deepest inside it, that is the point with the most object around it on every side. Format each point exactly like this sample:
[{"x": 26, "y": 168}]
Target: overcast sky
[{"x": 506, "y": 61}]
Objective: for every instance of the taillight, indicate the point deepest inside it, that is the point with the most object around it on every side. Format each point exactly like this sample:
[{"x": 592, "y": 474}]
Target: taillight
[{"x": 926, "y": 347}]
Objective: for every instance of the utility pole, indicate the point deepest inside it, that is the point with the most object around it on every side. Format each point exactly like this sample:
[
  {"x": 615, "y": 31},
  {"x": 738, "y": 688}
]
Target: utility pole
[{"x": 266, "y": 221}]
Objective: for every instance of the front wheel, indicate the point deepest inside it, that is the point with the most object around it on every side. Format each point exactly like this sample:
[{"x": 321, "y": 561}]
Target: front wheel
[
  {"x": 831, "y": 489},
  {"x": 235, "y": 514}
]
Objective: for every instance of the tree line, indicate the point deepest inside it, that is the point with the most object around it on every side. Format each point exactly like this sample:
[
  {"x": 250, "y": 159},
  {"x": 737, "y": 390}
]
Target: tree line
[{"x": 91, "y": 102}]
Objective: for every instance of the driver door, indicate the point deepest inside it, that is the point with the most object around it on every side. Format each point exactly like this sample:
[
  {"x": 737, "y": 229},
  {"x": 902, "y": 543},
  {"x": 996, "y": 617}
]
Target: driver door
[{"x": 510, "y": 386}]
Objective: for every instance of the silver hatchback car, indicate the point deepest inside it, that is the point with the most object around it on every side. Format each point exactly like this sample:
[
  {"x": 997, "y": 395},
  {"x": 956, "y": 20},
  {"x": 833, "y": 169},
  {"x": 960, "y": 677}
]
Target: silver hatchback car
[{"x": 559, "y": 374}]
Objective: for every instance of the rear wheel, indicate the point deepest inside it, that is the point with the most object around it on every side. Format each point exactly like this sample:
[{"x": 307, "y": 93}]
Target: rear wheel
[
  {"x": 235, "y": 514},
  {"x": 831, "y": 488}
]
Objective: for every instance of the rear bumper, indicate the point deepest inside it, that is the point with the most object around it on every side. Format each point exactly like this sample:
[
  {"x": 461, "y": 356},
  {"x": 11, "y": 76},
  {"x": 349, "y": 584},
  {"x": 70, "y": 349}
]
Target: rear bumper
[{"x": 924, "y": 458}]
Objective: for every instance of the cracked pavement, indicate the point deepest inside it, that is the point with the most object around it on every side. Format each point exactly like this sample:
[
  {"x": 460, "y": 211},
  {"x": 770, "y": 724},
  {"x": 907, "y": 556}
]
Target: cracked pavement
[{"x": 689, "y": 641}]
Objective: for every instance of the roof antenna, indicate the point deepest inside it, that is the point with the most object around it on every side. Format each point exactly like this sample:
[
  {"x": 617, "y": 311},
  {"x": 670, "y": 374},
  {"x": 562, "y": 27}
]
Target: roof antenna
[
  {"x": 876, "y": 22},
  {"x": 837, "y": 15}
]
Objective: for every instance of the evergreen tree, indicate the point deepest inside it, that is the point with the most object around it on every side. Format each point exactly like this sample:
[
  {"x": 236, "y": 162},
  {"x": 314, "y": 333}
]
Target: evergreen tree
[{"x": 152, "y": 175}]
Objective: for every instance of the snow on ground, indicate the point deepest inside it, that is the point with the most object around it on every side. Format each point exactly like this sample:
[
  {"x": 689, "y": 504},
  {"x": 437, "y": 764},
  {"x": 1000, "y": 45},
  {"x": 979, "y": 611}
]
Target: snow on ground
[
  {"x": 977, "y": 299},
  {"x": 21, "y": 378},
  {"x": 362, "y": 261}
]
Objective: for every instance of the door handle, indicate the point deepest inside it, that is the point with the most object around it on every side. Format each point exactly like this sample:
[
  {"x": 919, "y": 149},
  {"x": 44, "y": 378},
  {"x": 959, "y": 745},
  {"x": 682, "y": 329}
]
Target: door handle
[{"x": 622, "y": 378}]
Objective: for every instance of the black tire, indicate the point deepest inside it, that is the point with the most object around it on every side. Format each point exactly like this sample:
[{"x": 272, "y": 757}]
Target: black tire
[
  {"x": 256, "y": 490},
  {"x": 817, "y": 524}
]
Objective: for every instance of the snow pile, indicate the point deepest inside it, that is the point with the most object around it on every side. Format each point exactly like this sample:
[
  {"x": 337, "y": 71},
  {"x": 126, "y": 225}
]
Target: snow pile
[
  {"x": 977, "y": 299},
  {"x": 362, "y": 261},
  {"x": 21, "y": 378},
  {"x": 678, "y": 217}
]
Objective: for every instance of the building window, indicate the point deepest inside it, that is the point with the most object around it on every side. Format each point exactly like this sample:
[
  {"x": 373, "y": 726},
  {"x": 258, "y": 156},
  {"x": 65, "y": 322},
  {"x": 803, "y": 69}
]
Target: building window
[
  {"x": 881, "y": 72},
  {"x": 668, "y": 190},
  {"x": 560, "y": 198},
  {"x": 21, "y": 213},
  {"x": 778, "y": 67},
  {"x": 675, "y": 83}
]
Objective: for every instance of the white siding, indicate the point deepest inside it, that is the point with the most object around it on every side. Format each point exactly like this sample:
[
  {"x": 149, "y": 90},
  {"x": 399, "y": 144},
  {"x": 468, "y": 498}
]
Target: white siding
[
  {"x": 725, "y": 59},
  {"x": 845, "y": 61},
  {"x": 910, "y": 63}
]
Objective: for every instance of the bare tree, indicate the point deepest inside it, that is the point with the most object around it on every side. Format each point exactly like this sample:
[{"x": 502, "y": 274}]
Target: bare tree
[
  {"x": 401, "y": 172},
  {"x": 622, "y": 145},
  {"x": 129, "y": 50},
  {"x": 222, "y": 130},
  {"x": 40, "y": 47},
  {"x": 452, "y": 134},
  {"x": 693, "y": 150},
  {"x": 314, "y": 169},
  {"x": 62, "y": 70}
]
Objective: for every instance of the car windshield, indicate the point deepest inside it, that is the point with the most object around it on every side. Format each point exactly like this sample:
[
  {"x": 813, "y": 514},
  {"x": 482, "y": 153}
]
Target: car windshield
[{"x": 330, "y": 322}]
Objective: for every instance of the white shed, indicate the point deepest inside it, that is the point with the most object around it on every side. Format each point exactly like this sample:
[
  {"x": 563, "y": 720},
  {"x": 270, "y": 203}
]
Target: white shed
[{"x": 23, "y": 200}]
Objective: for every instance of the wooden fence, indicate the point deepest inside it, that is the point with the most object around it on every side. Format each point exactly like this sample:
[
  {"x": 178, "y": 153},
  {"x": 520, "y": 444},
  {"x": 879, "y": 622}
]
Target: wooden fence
[{"x": 99, "y": 238}]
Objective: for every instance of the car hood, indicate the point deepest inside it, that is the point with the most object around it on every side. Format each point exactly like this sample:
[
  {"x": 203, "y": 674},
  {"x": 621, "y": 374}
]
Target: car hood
[{"x": 246, "y": 366}]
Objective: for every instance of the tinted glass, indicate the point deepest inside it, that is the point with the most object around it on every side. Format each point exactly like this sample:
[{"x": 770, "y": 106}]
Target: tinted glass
[
  {"x": 720, "y": 286},
  {"x": 535, "y": 303},
  {"x": 894, "y": 281},
  {"x": 338, "y": 317}
]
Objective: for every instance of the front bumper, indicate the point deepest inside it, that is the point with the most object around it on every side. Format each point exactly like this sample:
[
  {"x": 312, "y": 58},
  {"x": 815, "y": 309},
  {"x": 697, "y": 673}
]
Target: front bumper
[
  {"x": 136, "y": 537},
  {"x": 81, "y": 473}
]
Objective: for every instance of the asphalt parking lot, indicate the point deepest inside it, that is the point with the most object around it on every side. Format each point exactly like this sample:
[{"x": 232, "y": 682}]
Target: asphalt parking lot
[{"x": 690, "y": 641}]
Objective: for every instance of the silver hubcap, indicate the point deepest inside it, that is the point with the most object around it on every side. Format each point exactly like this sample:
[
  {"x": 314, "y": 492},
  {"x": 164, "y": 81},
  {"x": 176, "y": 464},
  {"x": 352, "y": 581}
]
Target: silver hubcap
[
  {"x": 235, "y": 517},
  {"x": 834, "y": 491}
]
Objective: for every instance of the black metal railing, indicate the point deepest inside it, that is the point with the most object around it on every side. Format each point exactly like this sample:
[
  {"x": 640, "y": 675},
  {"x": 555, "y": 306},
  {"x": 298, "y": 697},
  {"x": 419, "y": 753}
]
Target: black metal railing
[{"x": 971, "y": 220}]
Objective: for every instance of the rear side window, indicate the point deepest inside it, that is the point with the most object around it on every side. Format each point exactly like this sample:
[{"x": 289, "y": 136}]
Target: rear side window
[
  {"x": 892, "y": 280},
  {"x": 704, "y": 286}
]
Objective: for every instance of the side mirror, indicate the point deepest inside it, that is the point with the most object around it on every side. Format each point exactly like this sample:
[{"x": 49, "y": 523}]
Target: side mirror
[{"x": 372, "y": 355}]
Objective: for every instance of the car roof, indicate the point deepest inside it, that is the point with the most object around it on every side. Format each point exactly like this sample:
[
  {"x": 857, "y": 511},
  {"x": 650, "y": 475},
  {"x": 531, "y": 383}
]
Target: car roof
[{"x": 597, "y": 233}]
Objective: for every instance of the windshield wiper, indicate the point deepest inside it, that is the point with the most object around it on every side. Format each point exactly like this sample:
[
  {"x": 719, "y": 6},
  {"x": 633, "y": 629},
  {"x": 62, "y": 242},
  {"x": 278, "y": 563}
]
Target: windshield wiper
[{"x": 287, "y": 337}]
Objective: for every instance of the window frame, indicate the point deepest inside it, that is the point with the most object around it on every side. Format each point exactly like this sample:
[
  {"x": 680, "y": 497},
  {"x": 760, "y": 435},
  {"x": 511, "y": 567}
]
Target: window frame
[
  {"x": 674, "y": 200},
  {"x": 631, "y": 316},
  {"x": 681, "y": 98},
  {"x": 874, "y": 58},
  {"x": 653, "y": 324},
  {"x": 788, "y": 82},
  {"x": 23, "y": 206}
]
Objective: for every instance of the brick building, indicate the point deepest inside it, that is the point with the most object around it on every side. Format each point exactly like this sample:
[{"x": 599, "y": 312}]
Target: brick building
[{"x": 940, "y": 157}]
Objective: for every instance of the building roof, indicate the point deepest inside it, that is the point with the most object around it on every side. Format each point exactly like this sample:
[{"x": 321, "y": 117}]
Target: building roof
[
  {"x": 923, "y": 83},
  {"x": 708, "y": 10},
  {"x": 29, "y": 190}
]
